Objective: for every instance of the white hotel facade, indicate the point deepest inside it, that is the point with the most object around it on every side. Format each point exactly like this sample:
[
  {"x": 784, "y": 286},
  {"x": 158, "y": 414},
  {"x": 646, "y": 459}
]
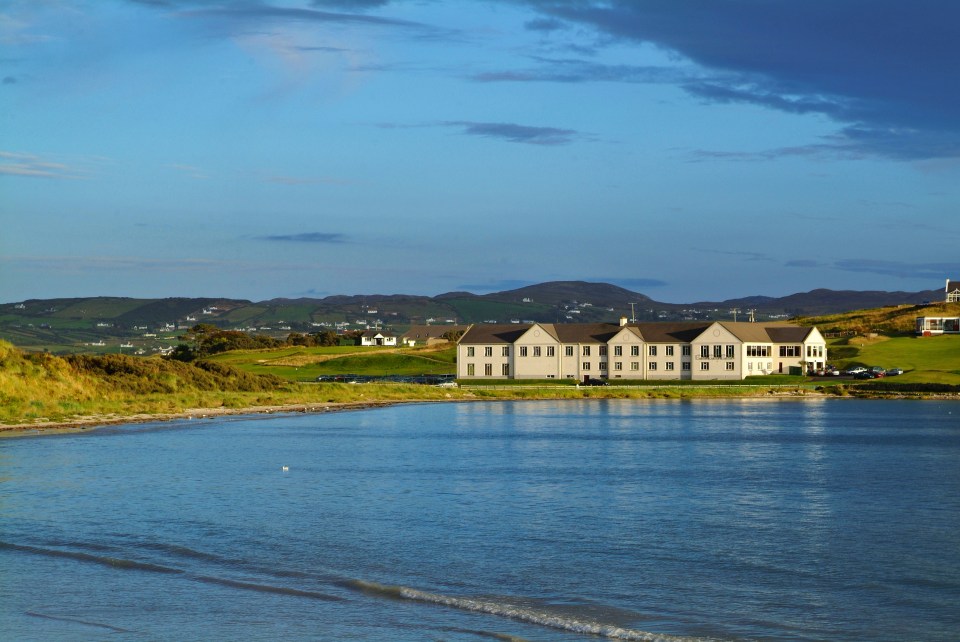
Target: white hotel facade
[{"x": 686, "y": 350}]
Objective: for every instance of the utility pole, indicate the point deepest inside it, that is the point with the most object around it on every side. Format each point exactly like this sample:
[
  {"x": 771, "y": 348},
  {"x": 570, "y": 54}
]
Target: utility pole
[
  {"x": 750, "y": 312},
  {"x": 633, "y": 313},
  {"x": 735, "y": 311}
]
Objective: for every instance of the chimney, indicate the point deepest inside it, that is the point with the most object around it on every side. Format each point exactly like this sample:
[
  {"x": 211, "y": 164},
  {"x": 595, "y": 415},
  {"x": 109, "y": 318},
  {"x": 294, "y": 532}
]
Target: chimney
[{"x": 623, "y": 321}]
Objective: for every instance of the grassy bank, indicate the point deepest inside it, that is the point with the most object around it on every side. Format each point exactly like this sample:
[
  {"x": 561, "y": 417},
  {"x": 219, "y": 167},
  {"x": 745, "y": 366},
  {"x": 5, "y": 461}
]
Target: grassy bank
[{"x": 43, "y": 390}]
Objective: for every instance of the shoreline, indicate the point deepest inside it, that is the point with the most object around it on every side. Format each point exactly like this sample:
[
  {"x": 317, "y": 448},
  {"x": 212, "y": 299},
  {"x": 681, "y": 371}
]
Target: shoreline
[
  {"x": 83, "y": 424},
  {"x": 92, "y": 422}
]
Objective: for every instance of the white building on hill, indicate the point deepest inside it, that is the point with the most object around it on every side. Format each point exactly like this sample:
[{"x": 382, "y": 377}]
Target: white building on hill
[{"x": 684, "y": 350}]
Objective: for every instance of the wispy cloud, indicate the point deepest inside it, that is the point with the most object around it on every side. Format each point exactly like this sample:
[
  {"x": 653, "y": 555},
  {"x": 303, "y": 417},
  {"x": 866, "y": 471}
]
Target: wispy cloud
[
  {"x": 574, "y": 70},
  {"x": 306, "y": 237},
  {"x": 514, "y": 133},
  {"x": 74, "y": 264},
  {"x": 745, "y": 255},
  {"x": 886, "y": 75},
  {"x": 33, "y": 166},
  {"x": 305, "y": 180},
  {"x": 933, "y": 271},
  {"x": 190, "y": 170}
]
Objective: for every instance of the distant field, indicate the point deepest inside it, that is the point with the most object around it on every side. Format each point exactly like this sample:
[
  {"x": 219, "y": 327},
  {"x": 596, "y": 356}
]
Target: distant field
[
  {"x": 306, "y": 364},
  {"x": 925, "y": 359}
]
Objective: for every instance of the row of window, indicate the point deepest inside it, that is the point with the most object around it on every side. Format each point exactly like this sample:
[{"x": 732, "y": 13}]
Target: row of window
[
  {"x": 617, "y": 366},
  {"x": 718, "y": 351}
]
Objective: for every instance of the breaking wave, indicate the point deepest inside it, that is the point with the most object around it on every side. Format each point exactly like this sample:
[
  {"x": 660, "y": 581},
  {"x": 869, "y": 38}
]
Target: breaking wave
[{"x": 521, "y": 613}]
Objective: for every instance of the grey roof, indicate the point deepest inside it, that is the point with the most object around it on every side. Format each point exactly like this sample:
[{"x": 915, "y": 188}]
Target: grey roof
[
  {"x": 653, "y": 332},
  {"x": 373, "y": 333},
  {"x": 672, "y": 332},
  {"x": 431, "y": 331},
  {"x": 789, "y": 334},
  {"x": 494, "y": 333}
]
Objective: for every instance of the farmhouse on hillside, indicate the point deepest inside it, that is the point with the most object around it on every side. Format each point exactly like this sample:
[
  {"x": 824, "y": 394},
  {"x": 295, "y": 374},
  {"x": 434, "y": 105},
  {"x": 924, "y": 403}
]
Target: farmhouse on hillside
[
  {"x": 378, "y": 338},
  {"x": 928, "y": 326},
  {"x": 682, "y": 350},
  {"x": 953, "y": 291}
]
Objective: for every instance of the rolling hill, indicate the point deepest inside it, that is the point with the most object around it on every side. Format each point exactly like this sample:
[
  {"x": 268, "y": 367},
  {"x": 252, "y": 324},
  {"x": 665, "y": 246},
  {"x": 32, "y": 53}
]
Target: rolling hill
[{"x": 82, "y": 324}]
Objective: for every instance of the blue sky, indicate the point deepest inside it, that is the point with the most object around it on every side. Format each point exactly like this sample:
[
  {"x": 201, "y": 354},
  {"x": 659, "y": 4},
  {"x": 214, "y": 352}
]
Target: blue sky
[{"x": 689, "y": 150}]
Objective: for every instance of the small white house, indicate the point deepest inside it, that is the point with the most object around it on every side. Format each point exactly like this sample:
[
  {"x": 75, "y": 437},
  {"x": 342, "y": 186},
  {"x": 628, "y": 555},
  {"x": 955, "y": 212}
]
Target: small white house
[{"x": 378, "y": 338}]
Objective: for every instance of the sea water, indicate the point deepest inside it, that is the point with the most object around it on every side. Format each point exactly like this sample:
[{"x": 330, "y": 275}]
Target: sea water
[{"x": 572, "y": 520}]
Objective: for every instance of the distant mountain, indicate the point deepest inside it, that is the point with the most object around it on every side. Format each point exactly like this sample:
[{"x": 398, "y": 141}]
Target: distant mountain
[
  {"x": 40, "y": 323},
  {"x": 823, "y": 301}
]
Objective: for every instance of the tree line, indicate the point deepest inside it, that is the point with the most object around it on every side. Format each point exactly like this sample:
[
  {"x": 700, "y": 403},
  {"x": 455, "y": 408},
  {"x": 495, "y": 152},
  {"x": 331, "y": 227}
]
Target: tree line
[{"x": 206, "y": 339}]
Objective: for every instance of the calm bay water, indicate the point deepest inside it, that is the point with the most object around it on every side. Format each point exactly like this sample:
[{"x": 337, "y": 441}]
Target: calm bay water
[{"x": 729, "y": 520}]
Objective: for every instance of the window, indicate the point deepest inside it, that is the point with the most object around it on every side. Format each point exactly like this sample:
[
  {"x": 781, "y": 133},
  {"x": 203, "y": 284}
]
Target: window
[
  {"x": 603, "y": 365},
  {"x": 704, "y": 365},
  {"x": 669, "y": 365},
  {"x": 471, "y": 370},
  {"x": 634, "y": 365},
  {"x": 586, "y": 351},
  {"x": 618, "y": 365},
  {"x": 685, "y": 351},
  {"x": 505, "y": 351},
  {"x": 652, "y": 365},
  {"x": 717, "y": 351},
  {"x": 705, "y": 352},
  {"x": 523, "y": 351},
  {"x": 506, "y": 370},
  {"x": 568, "y": 351},
  {"x": 470, "y": 351},
  {"x": 730, "y": 365},
  {"x": 603, "y": 351},
  {"x": 730, "y": 351},
  {"x": 618, "y": 351},
  {"x": 652, "y": 351},
  {"x": 585, "y": 365},
  {"x": 488, "y": 369},
  {"x": 758, "y": 351},
  {"x": 488, "y": 351},
  {"x": 550, "y": 351},
  {"x": 634, "y": 351},
  {"x": 669, "y": 351},
  {"x": 791, "y": 351},
  {"x": 536, "y": 351},
  {"x": 685, "y": 365}
]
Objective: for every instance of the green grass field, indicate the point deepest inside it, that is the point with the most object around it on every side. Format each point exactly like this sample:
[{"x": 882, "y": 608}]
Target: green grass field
[
  {"x": 306, "y": 364},
  {"x": 925, "y": 359}
]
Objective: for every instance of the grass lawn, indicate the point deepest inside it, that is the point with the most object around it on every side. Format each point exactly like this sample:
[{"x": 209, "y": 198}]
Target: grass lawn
[
  {"x": 925, "y": 359},
  {"x": 306, "y": 364}
]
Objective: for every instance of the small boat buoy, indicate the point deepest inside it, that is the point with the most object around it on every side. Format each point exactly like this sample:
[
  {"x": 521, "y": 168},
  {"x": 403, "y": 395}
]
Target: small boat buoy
[{"x": 286, "y": 468}]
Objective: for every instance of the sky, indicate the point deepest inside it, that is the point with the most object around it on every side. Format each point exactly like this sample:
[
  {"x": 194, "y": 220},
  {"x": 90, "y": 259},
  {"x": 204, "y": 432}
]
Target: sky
[{"x": 688, "y": 150}]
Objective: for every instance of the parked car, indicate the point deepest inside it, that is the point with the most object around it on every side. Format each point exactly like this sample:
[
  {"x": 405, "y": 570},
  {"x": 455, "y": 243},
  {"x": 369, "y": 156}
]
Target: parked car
[
  {"x": 857, "y": 370},
  {"x": 893, "y": 372},
  {"x": 595, "y": 382},
  {"x": 865, "y": 374}
]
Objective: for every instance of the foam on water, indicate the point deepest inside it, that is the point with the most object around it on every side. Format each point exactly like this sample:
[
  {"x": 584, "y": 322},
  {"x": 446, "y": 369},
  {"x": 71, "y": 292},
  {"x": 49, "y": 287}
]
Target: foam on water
[{"x": 516, "y": 612}]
